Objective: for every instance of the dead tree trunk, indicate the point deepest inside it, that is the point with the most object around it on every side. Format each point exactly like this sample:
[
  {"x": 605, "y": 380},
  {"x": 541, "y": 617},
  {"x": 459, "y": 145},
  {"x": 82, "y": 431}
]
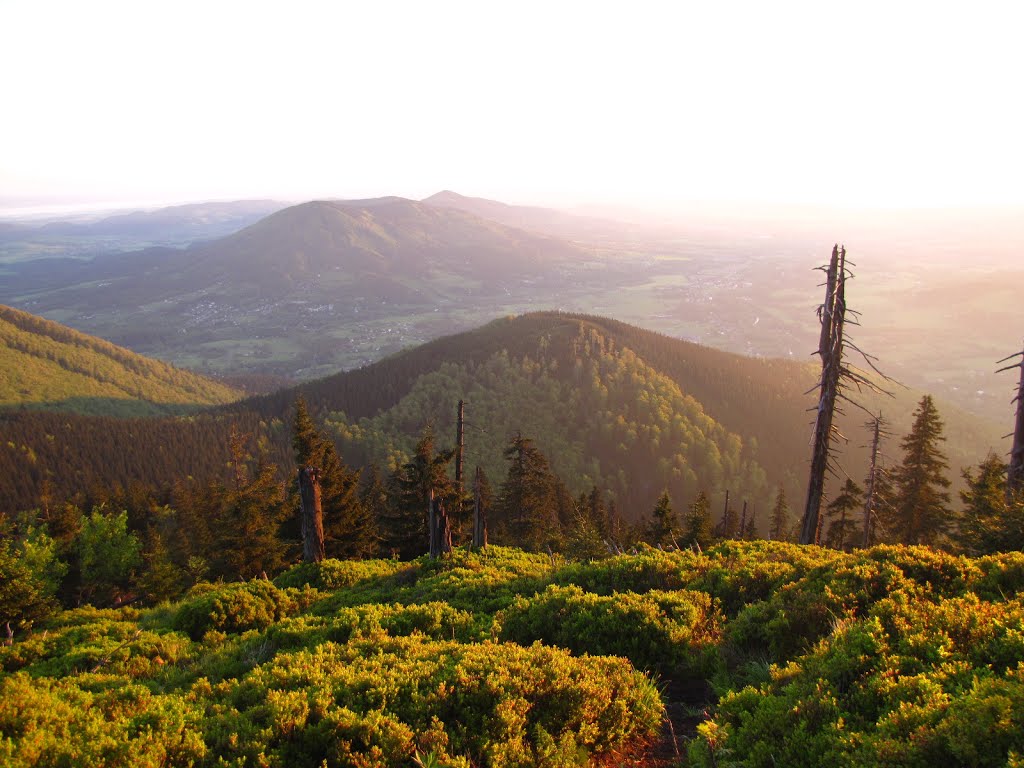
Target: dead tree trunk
[
  {"x": 830, "y": 348},
  {"x": 440, "y": 529},
  {"x": 432, "y": 546},
  {"x": 743, "y": 521},
  {"x": 1015, "y": 470},
  {"x": 877, "y": 432},
  {"x": 479, "y": 513},
  {"x": 460, "y": 448},
  {"x": 312, "y": 515}
]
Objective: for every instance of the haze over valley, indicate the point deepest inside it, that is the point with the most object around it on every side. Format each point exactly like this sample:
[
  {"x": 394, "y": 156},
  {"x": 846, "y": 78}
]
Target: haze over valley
[{"x": 324, "y": 286}]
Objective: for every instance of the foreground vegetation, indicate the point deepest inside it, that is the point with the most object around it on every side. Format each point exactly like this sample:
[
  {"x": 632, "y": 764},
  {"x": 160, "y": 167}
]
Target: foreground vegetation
[{"x": 786, "y": 655}]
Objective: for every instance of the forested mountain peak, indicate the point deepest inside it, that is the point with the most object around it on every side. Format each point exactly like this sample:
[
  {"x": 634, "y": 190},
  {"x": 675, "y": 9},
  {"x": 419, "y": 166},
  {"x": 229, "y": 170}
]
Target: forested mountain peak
[
  {"x": 44, "y": 364},
  {"x": 762, "y": 402}
]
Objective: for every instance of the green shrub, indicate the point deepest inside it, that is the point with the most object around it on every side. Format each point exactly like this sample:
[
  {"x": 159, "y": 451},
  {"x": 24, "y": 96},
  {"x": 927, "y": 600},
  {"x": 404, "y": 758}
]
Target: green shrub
[
  {"x": 739, "y": 573},
  {"x": 235, "y": 608},
  {"x": 795, "y": 616},
  {"x": 914, "y": 683},
  {"x": 649, "y": 569},
  {"x": 111, "y": 647},
  {"x": 670, "y": 632},
  {"x": 387, "y": 698},
  {"x": 999, "y": 576},
  {"x": 48, "y": 722},
  {"x": 333, "y": 574},
  {"x": 435, "y": 620}
]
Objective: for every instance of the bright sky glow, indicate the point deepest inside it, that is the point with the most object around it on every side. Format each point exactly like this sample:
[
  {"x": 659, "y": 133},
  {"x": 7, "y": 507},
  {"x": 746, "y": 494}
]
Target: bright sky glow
[{"x": 867, "y": 103}]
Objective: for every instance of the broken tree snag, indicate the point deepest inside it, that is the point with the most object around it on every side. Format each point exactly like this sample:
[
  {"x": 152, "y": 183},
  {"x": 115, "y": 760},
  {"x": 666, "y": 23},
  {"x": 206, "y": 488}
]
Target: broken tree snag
[
  {"x": 432, "y": 545},
  {"x": 878, "y": 431},
  {"x": 460, "y": 447},
  {"x": 830, "y": 348},
  {"x": 479, "y": 513},
  {"x": 440, "y": 529},
  {"x": 312, "y": 515},
  {"x": 444, "y": 529},
  {"x": 1015, "y": 470}
]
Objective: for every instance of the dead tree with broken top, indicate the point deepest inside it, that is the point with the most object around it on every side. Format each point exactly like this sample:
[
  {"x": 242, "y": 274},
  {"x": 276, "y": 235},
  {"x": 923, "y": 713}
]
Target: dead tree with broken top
[
  {"x": 1015, "y": 469},
  {"x": 460, "y": 446},
  {"x": 834, "y": 376},
  {"x": 878, "y": 426},
  {"x": 479, "y": 513},
  {"x": 440, "y": 528},
  {"x": 312, "y": 515}
]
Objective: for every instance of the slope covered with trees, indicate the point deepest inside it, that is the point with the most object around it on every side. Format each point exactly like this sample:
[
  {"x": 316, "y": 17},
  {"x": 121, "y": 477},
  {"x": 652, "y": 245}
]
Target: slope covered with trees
[
  {"x": 47, "y": 365},
  {"x": 601, "y": 414},
  {"x": 611, "y": 405}
]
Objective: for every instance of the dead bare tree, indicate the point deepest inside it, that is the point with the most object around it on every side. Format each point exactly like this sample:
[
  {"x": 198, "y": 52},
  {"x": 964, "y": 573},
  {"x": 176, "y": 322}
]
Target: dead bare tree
[
  {"x": 479, "y": 513},
  {"x": 835, "y": 377},
  {"x": 440, "y": 528},
  {"x": 460, "y": 447},
  {"x": 1015, "y": 470},
  {"x": 877, "y": 425},
  {"x": 432, "y": 545},
  {"x": 312, "y": 515}
]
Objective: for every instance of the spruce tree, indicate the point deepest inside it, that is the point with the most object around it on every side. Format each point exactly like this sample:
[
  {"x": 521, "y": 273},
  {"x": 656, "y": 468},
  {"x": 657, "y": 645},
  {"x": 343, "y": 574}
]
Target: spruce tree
[
  {"x": 990, "y": 521},
  {"x": 841, "y": 512},
  {"x": 584, "y": 540},
  {"x": 697, "y": 527},
  {"x": 250, "y": 521},
  {"x": 350, "y": 528},
  {"x": 665, "y": 527},
  {"x": 531, "y": 500},
  {"x": 404, "y": 528},
  {"x": 921, "y": 509},
  {"x": 778, "y": 524}
]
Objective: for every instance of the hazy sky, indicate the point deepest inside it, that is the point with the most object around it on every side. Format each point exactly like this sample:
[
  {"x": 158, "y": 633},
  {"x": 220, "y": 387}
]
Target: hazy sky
[{"x": 888, "y": 103}]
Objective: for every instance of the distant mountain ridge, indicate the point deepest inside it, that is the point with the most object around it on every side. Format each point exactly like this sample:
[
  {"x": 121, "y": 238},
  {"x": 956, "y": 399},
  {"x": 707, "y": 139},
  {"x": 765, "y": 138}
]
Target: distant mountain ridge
[
  {"x": 179, "y": 222},
  {"x": 48, "y": 365},
  {"x": 549, "y": 221},
  {"x": 313, "y": 287},
  {"x": 390, "y": 237}
]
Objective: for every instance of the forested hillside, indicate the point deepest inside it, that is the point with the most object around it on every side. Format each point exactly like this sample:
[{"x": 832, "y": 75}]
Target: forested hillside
[
  {"x": 47, "y": 365},
  {"x": 603, "y": 415},
  {"x": 613, "y": 406}
]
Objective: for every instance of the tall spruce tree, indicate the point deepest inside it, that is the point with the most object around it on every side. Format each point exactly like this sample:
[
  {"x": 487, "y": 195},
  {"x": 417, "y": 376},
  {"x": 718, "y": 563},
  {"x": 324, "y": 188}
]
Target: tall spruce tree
[
  {"x": 350, "y": 528},
  {"x": 249, "y": 517},
  {"x": 991, "y": 521},
  {"x": 531, "y": 502},
  {"x": 665, "y": 528},
  {"x": 404, "y": 529},
  {"x": 841, "y": 513},
  {"x": 697, "y": 526},
  {"x": 778, "y": 523},
  {"x": 921, "y": 506}
]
